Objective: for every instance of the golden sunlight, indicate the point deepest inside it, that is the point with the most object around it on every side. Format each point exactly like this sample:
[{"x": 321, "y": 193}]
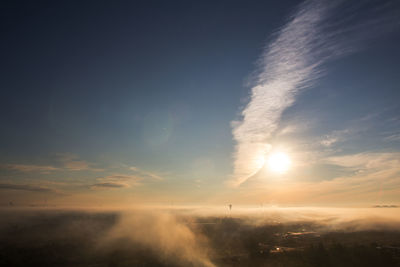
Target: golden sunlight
[{"x": 279, "y": 162}]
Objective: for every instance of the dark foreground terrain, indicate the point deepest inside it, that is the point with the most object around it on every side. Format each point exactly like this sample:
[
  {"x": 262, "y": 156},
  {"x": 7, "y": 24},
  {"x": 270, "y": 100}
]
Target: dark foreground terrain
[{"x": 67, "y": 238}]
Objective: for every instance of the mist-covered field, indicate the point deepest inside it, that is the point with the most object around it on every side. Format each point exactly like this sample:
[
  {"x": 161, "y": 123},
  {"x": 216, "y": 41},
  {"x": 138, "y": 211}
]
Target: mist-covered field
[{"x": 200, "y": 237}]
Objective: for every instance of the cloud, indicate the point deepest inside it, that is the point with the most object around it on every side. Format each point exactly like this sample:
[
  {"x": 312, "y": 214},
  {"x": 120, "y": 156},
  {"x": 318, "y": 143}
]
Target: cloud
[
  {"x": 68, "y": 161},
  {"x": 73, "y": 163},
  {"x": 122, "y": 177},
  {"x": 117, "y": 181},
  {"x": 110, "y": 185},
  {"x": 334, "y": 137},
  {"x": 29, "y": 168},
  {"x": 146, "y": 173},
  {"x": 369, "y": 177},
  {"x": 25, "y": 187},
  {"x": 76, "y": 165},
  {"x": 367, "y": 160},
  {"x": 392, "y": 138},
  {"x": 329, "y": 141},
  {"x": 291, "y": 63}
]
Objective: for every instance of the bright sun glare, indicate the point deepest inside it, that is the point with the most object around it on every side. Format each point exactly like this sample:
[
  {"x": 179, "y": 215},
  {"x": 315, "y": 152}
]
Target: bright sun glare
[{"x": 279, "y": 162}]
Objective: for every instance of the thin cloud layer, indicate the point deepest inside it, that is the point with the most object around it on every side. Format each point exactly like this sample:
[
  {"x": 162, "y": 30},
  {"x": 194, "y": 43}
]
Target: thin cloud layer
[
  {"x": 66, "y": 162},
  {"x": 110, "y": 185},
  {"x": 25, "y": 187},
  {"x": 369, "y": 178},
  {"x": 29, "y": 168},
  {"x": 72, "y": 162},
  {"x": 116, "y": 181},
  {"x": 145, "y": 173}
]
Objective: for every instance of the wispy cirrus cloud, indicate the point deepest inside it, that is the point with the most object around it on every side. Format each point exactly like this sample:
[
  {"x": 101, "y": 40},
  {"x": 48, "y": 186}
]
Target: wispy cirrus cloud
[
  {"x": 109, "y": 185},
  {"x": 334, "y": 137},
  {"x": 27, "y": 187},
  {"x": 122, "y": 177},
  {"x": 367, "y": 161},
  {"x": 367, "y": 177},
  {"x": 392, "y": 138},
  {"x": 117, "y": 181},
  {"x": 29, "y": 168},
  {"x": 374, "y": 177},
  {"x": 291, "y": 63},
  {"x": 73, "y": 163},
  {"x": 65, "y": 162},
  {"x": 146, "y": 173}
]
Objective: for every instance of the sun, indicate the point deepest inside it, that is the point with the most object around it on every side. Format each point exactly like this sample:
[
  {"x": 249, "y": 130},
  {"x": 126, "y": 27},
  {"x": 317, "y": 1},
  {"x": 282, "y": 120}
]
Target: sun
[{"x": 278, "y": 162}]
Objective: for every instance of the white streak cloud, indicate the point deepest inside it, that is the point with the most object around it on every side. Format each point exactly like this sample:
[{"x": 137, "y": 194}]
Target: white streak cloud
[
  {"x": 289, "y": 64},
  {"x": 29, "y": 168},
  {"x": 146, "y": 173},
  {"x": 27, "y": 187},
  {"x": 292, "y": 62}
]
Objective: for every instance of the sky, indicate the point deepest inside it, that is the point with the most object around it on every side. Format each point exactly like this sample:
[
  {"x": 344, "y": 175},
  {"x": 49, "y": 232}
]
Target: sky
[{"x": 190, "y": 102}]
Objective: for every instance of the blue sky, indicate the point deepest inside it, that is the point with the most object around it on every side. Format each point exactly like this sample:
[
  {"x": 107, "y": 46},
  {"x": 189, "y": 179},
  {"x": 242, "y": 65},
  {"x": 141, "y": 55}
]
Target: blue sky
[{"x": 147, "y": 101}]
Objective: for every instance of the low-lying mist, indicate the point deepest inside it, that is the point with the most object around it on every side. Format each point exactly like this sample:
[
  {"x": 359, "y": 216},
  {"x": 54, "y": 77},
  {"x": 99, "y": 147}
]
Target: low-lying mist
[
  {"x": 170, "y": 239},
  {"x": 200, "y": 237}
]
